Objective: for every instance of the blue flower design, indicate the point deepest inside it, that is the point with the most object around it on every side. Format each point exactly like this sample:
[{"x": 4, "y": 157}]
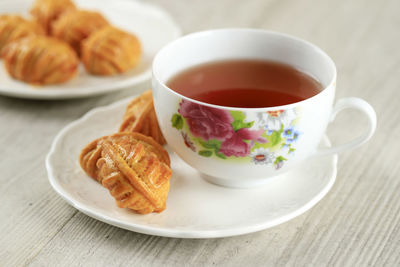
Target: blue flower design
[
  {"x": 288, "y": 132},
  {"x": 293, "y": 138}
]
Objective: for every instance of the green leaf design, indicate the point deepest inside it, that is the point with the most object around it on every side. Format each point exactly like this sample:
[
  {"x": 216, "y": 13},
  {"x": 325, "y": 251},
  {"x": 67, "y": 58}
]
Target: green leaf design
[
  {"x": 281, "y": 130},
  {"x": 291, "y": 150},
  {"x": 275, "y": 138},
  {"x": 220, "y": 155},
  {"x": 240, "y": 124},
  {"x": 177, "y": 121},
  {"x": 237, "y": 115},
  {"x": 238, "y": 121},
  {"x": 279, "y": 159},
  {"x": 211, "y": 144},
  {"x": 205, "y": 153}
]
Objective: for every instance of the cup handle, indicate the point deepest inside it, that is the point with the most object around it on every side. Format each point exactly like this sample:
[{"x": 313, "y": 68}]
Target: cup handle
[{"x": 352, "y": 103}]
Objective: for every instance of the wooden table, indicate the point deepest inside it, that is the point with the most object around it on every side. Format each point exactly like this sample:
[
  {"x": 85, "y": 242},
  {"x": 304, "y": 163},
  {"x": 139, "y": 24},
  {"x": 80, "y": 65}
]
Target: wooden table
[{"x": 356, "y": 224}]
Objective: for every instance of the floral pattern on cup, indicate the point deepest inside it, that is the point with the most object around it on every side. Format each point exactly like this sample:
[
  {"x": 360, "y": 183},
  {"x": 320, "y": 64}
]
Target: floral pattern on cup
[{"x": 264, "y": 138}]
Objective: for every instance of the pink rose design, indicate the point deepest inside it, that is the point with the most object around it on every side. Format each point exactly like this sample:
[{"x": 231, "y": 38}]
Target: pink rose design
[
  {"x": 235, "y": 146},
  {"x": 206, "y": 122},
  {"x": 252, "y": 135}
]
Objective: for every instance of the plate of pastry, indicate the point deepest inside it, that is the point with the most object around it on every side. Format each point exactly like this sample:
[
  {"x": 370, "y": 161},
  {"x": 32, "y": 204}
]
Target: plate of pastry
[
  {"x": 113, "y": 164},
  {"x": 57, "y": 49}
]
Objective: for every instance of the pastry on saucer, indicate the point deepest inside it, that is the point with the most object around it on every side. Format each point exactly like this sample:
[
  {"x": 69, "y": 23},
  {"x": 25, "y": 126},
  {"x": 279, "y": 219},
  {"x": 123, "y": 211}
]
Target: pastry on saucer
[
  {"x": 13, "y": 27},
  {"x": 140, "y": 116},
  {"x": 133, "y": 167},
  {"x": 110, "y": 51},
  {"x": 46, "y": 11},
  {"x": 40, "y": 60},
  {"x": 74, "y": 26}
]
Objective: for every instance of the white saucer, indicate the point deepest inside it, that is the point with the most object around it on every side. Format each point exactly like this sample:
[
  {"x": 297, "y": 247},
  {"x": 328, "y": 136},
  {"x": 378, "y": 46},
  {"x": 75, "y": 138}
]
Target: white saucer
[
  {"x": 195, "y": 208},
  {"x": 153, "y": 26}
]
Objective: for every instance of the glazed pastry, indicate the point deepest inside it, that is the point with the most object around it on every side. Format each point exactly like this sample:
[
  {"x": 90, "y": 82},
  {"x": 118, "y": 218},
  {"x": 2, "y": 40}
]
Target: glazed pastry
[
  {"x": 13, "y": 27},
  {"x": 40, "y": 60},
  {"x": 133, "y": 167},
  {"x": 140, "y": 116},
  {"x": 110, "y": 51},
  {"x": 72, "y": 27},
  {"x": 46, "y": 11}
]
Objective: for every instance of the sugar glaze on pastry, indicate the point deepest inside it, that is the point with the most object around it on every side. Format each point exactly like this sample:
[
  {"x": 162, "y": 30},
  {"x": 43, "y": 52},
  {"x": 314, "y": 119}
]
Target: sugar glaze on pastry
[
  {"x": 46, "y": 11},
  {"x": 13, "y": 27},
  {"x": 110, "y": 51},
  {"x": 40, "y": 60},
  {"x": 133, "y": 167},
  {"x": 140, "y": 116},
  {"x": 74, "y": 26}
]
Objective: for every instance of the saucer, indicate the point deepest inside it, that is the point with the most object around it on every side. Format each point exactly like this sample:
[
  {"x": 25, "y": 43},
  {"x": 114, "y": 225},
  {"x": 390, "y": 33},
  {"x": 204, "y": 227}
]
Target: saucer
[
  {"x": 195, "y": 208},
  {"x": 152, "y": 25}
]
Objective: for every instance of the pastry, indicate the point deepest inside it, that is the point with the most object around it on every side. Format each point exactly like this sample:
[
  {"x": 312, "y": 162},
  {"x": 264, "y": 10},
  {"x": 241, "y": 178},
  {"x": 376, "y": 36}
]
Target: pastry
[
  {"x": 140, "y": 116},
  {"x": 13, "y": 27},
  {"x": 46, "y": 11},
  {"x": 110, "y": 51},
  {"x": 40, "y": 60},
  {"x": 133, "y": 167},
  {"x": 74, "y": 26}
]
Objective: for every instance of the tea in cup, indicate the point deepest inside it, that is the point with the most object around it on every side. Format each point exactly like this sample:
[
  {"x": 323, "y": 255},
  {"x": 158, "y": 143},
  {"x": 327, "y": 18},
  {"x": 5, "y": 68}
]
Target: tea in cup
[{"x": 244, "y": 105}]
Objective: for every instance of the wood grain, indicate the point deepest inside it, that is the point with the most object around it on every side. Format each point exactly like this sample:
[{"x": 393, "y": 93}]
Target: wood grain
[{"x": 356, "y": 224}]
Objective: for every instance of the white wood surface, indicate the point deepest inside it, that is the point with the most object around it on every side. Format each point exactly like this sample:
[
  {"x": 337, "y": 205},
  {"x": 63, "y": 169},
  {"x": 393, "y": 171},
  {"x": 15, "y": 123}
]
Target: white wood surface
[{"x": 356, "y": 224}]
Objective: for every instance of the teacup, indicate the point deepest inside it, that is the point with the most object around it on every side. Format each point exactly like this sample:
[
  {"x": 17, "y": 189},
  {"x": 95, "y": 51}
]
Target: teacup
[{"x": 280, "y": 137}]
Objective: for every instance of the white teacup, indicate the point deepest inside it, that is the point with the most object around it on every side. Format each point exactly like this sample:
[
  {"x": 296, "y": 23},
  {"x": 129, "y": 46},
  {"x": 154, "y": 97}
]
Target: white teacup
[{"x": 280, "y": 137}]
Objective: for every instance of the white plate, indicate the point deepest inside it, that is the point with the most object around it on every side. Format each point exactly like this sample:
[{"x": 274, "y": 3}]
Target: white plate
[
  {"x": 153, "y": 26},
  {"x": 195, "y": 208}
]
